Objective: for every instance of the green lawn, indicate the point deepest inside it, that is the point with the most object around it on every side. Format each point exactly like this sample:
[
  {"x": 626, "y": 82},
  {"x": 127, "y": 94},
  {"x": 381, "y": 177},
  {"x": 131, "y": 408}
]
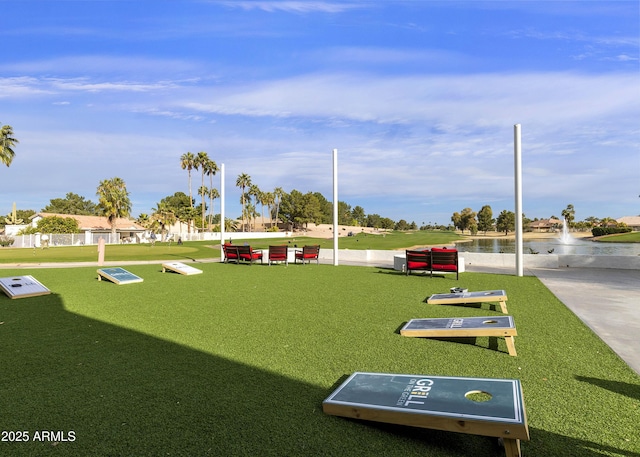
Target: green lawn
[
  {"x": 631, "y": 237},
  {"x": 237, "y": 361}
]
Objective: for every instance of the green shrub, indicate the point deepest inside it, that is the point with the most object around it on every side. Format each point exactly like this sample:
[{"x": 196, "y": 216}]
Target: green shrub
[
  {"x": 601, "y": 231},
  {"x": 6, "y": 241}
]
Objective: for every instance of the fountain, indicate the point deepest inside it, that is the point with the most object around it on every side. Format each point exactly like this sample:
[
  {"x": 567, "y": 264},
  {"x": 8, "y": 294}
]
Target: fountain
[{"x": 566, "y": 238}]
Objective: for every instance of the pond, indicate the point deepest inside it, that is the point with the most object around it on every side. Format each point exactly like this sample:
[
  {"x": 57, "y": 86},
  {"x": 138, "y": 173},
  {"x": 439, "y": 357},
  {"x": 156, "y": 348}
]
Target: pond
[{"x": 551, "y": 246}]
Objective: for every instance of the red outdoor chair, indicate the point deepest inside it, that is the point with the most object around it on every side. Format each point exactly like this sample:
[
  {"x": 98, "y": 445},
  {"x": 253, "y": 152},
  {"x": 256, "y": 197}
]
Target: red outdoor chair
[
  {"x": 279, "y": 254},
  {"x": 307, "y": 254}
]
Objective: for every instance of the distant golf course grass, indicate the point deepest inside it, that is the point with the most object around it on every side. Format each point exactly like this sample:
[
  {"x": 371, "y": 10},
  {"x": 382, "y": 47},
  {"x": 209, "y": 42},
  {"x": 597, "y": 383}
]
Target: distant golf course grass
[
  {"x": 210, "y": 249},
  {"x": 631, "y": 237},
  {"x": 237, "y": 361}
]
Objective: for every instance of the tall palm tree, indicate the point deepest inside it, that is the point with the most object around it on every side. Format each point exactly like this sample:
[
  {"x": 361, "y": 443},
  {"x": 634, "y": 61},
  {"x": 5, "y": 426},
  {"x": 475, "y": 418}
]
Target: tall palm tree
[
  {"x": 255, "y": 192},
  {"x": 209, "y": 168},
  {"x": 113, "y": 201},
  {"x": 243, "y": 181},
  {"x": 201, "y": 161},
  {"x": 7, "y": 143},
  {"x": 278, "y": 193},
  {"x": 268, "y": 199},
  {"x": 188, "y": 162},
  {"x": 213, "y": 194}
]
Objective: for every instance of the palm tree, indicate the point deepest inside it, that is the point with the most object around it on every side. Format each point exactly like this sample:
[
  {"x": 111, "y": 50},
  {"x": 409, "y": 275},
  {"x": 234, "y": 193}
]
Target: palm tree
[
  {"x": 268, "y": 199},
  {"x": 243, "y": 181},
  {"x": 278, "y": 193},
  {"x": 201, "y": 163},
  {"x": 164, "y": 217},
  {"x": 113, "y": 201},
  {"x": 188, "y": 162},
  {"x": 213, "y": 194},
  {"x": 7, "y": 143},
  {"x": 254, "y": 191},
  {"x": 210, "y": 168}
]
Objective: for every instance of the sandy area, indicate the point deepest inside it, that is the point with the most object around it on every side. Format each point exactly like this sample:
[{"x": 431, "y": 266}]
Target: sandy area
[{"x": 326, "y": 231}]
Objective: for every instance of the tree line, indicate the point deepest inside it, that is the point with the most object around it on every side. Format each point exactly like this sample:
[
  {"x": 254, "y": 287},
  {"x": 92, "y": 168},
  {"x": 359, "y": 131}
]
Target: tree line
[{"x": 483, "y": 220}]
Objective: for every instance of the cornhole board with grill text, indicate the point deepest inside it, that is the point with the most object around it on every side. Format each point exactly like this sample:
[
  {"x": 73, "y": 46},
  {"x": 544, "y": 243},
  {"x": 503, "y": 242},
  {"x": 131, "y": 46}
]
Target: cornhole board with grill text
[
  {"x": 478, "y": 406},
  {"x": 458, "y": 327},
  {"x": 181, "y": 268},
  {"x": 487, "y": 296},
  {"x": 22, "y": 287},
  {"x": 118, "y": 275}
]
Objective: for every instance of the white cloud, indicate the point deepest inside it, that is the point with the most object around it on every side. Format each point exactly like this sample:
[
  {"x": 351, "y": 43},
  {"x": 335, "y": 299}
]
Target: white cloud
[{"x": 295, "y": 6}]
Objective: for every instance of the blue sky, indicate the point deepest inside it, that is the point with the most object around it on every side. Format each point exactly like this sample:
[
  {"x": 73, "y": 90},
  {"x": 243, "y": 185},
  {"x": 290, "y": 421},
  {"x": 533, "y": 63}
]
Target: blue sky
[{"x": 419, "y": 97}]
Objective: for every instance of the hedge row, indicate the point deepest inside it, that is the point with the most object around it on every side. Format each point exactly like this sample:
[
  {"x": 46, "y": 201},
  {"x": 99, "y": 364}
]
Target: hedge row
[{"x": 600, "y": 231}]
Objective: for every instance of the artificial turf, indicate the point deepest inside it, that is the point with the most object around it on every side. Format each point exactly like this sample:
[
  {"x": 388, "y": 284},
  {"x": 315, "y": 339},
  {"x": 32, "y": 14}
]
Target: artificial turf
[{"x": 237, "y": 361}]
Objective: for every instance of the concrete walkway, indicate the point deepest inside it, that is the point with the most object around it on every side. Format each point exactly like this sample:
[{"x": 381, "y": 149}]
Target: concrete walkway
[{"x": 606, "y": 300}]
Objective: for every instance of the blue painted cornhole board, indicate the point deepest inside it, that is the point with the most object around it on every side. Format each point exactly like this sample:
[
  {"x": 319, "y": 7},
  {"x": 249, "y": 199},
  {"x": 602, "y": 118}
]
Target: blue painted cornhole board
[
  {"x": 485, "y": 296},
  {"x": 460, "y": 327},
  {"x": 118, "y": 275},
  {"x": 22, "y": 287},
  {"x": 436, "y": 402},
  {"x": 179, "y": 267}
]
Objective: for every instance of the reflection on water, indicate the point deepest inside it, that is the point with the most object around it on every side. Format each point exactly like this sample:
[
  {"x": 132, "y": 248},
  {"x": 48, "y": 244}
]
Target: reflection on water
[{"x": 551, "y": 246}]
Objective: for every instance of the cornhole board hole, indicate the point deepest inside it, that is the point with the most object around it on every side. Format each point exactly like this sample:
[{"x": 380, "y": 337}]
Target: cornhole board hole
[
  {"x": 486, "y": 296},
  {"x": 118, "y": 275},
  {"x": 22, "y": 287},
  {"x": 460, "y": 327},
  {"x": 181, "y": 268},
  {"x": 478, "y": 406}
]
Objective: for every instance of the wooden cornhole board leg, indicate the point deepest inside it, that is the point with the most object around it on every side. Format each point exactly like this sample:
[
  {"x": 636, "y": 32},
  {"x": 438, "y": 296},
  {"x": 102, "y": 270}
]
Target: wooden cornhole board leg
[
  {"x": 503, "y": 306},
  {"x": 512, "y": 448},
  {"x": 511, "y": 345}
]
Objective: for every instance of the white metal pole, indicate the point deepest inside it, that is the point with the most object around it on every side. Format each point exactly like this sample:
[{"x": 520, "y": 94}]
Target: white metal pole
[
  {"x": 222, "y": 221},
  {"x": 335, "y": 207},
  {"x": 518, "y": 192}
]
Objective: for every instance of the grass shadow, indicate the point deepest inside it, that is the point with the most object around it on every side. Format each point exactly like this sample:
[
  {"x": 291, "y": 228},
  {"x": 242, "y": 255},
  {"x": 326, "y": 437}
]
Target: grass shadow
[{"x": 619, "y": 387}]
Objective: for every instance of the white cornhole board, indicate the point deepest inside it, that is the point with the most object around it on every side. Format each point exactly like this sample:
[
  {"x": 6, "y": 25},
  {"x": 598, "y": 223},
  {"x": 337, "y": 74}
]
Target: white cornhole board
[
  {"x": 118, "y": 275},
  {"x": 179, "y": 267},
  {"x": 22, "y": 287}
]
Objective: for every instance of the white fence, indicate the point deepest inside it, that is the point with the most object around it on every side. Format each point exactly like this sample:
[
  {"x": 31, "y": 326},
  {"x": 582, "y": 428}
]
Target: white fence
[{"x": 83, "y": 239}]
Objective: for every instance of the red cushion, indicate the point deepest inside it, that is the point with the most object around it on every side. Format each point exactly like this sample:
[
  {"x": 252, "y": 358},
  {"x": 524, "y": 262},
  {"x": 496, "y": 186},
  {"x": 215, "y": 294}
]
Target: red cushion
[
  {"x": 447, "y": 267},
  {"x": 443, "y": 250},
  {"x": 417, "y": 265}
]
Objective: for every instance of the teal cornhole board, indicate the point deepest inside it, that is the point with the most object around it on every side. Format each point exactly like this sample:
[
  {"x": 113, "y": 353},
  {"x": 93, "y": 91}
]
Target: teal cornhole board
[
  {"x": 485, "y": 296},
  {"x": 22, "y": 287},
  {"x": 461, "y": 327},
  {"x": 437, "y": 402},
  {"x": 118, "y": 276}
]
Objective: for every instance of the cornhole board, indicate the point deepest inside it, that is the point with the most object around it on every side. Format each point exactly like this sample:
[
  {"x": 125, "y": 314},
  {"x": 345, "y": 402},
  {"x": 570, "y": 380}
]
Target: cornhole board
[
  {"x": 22, "y": 287},
  {"x": 457, "y": 327},
  {"x": 478, "y": 406},
  {"x": 118, "y": 275},
  {"x": 486, "y": 296},
  {"x": 181, "y": 268}
]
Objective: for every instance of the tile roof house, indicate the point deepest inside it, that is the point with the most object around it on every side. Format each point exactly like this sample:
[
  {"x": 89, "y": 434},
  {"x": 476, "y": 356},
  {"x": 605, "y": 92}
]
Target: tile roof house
[
  {"x": 545, "y": 225},
  {"x": 631, "y": 221},
  {"x": 125, "y": 228}
]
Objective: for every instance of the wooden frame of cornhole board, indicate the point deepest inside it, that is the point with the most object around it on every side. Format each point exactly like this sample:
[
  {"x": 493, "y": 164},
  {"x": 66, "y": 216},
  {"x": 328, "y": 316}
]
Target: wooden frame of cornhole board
[
  {"x": 179, "y": 267},
  {"x": 436, "y": 402},
  {"x": 486, "y": 296},
  {"x": 460, "y": 327},
  {"x": 23, "y": 287},
  {"x": 118, "y": 275}
]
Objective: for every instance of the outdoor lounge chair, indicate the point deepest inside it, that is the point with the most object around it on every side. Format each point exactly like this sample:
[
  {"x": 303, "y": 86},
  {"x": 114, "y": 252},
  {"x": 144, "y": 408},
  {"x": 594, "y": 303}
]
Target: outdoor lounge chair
[
  {"x": 230, "y": 253},
  {"x": 246, "y": 254},
  {"x": 307, "y": 254},
  {"x": 417, "y": 260},
  {"x": 279, "y": 254},
  {"x": 444, "y": 260}
]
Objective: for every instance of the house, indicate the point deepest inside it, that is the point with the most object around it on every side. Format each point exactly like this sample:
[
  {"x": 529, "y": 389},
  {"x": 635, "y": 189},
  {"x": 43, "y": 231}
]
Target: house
[
  {"x": 95, "y": 227},
  {"x": 632, "y": 221},
  {"x": 545, "y": 225}
]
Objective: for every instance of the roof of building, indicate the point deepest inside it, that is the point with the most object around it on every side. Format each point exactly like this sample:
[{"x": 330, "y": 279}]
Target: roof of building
[
  {"x": 94, "y": 223},
  {"x": 631, "y": 221}
]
